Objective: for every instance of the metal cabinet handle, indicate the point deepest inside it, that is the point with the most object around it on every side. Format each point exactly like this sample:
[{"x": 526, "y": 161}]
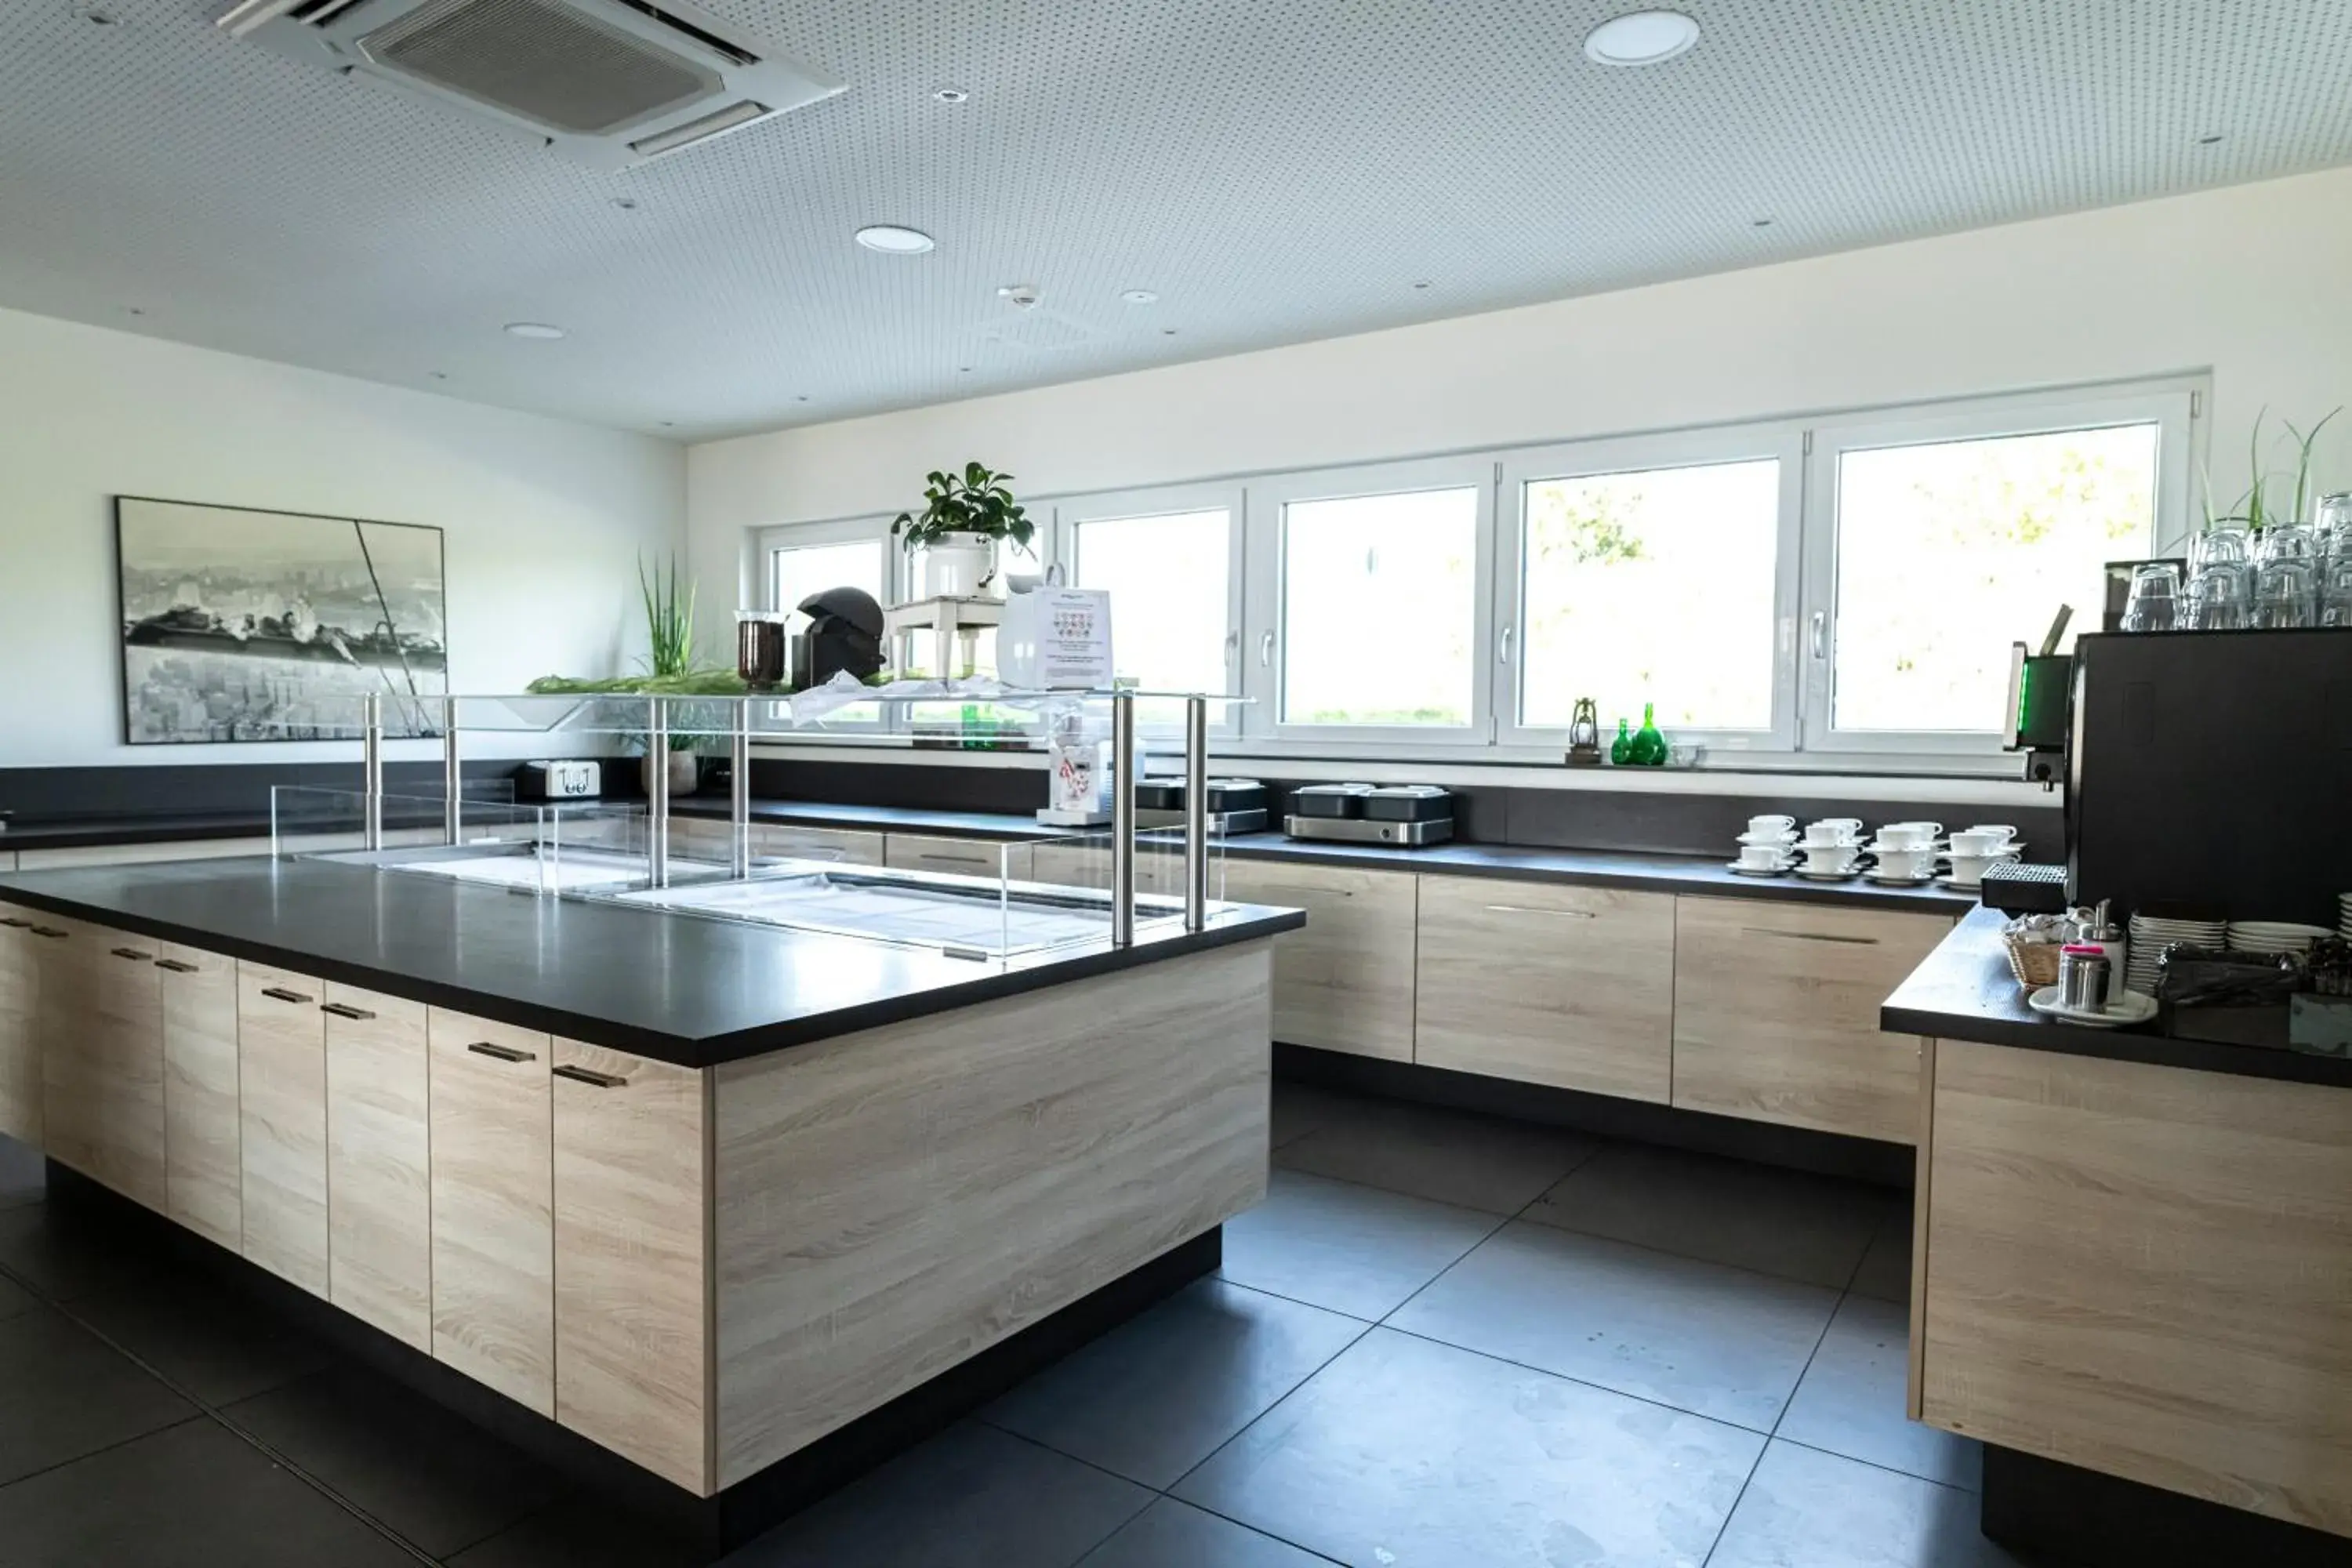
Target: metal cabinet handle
[
  {"x": 502, "y": 1053},
  {"x": 1812, "y": 936},
  {"x": 344, "y": 1010},
  {"x": 51, "y": 931},
  {"x": 1294, "y": 890},
  {"x": 133, "y": 954},
  {"x": 176, "y": 966},
  {"x": 952, "y": 860},
  {"x": 1531, "y": 910},
  {"x": 592, "y": 1079},
  {"x": 279, "y": 994}
]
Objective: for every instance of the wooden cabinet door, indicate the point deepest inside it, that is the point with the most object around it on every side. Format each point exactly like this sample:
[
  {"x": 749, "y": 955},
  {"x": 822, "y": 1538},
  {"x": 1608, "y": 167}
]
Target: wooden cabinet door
[
  {"x": 493, "y": 1228},
  {"x": 957, "y": 857},
  {"x": 202, "y": 1175},
  {"x": 1345, "y": 982},
  {"x": 1547, "y": 983},
  {"x": 379, "y": 1198},
  {"x": 1776, "y": 1014},
  {"x": 65, "y": 1027},
  {"x": 125, "y": 1071},
  {"x": 281, "y": 1055},
  {"x": 20, "y": 1038},
  {"x": 632, "y": 1260}
]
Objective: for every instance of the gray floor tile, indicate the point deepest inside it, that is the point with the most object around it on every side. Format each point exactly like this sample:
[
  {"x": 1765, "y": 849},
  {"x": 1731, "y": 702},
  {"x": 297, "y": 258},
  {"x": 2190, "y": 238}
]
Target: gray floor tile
[
  {"x": 1718, "y": 1342},
  {"x": 581, "y": 1531},
  {"x": 217, "y": 1345},
  {"x": 428, "y": 1474},
  {"x": 1806, "y": 1510},
  {"x": 64, "y": 1394},
  {"x": 1349, "y": 1248},
  {"x": 1171, "y": 1535},
  {"x": 1789, "y": 1223},
  {"x": 1475, "y": 1162},
  {"x": 1886, "y": 1271},
  {"x": 1299, "y": 1108},
  {"x": 1157, "y": 1395},
  {"x": 65, "y": 1252},
  {"x": 23, "y": 1174},
  {"x": 1852, "y": 1400},
  {"x": 14, "y": 1298},
  {"x": 973, "y": 1495},
  {"x": 192, "y": 1496},
  {"x": 1405, "y": 1452}
]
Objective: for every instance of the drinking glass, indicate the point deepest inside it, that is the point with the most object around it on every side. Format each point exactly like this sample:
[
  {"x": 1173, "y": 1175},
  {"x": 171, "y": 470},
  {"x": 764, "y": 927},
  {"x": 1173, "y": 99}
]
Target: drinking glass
[
  {"x": 2154, "y": 605},
  {"x": 2225, "y": 545},
  {"x": 2217, "y": 596},
  {"x": 2335, "y": 525},
  {"x": 2336, "y": 592},
  {"x": 2283, "y": 597}
]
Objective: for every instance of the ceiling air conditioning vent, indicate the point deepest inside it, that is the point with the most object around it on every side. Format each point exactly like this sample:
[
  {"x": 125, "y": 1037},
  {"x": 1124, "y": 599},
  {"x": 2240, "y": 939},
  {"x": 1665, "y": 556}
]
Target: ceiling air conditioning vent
[{"x": 611, "y": 82}]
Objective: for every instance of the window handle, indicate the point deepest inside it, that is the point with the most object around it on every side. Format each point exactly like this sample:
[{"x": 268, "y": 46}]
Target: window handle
[
  {"x": 1265, "y": 651},
  {"x": 1505, "y": 657},
  {"x": 1820, "y": 634}
]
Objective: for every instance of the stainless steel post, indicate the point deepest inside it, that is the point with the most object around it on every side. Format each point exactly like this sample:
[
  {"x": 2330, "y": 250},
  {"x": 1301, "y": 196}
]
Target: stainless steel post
[
  {"x": 1122, "y": 819},
  {"x": 739, "y": 773},
  {"x": 1196, "y": 813},
  {"x": 372, "y": 772},
  {"x": 657, "y": 793},
  {"x": 453, "y": 788}
]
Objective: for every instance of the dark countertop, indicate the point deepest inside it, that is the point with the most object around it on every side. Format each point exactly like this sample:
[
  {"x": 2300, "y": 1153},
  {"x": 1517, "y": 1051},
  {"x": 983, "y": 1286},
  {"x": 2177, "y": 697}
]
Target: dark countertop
[
  {"x": 1598, "y": 868},
  {"x": 679, "y": 989},
  {"x": 1965, "y": 992},
  {"x": 78, "y": 835}
]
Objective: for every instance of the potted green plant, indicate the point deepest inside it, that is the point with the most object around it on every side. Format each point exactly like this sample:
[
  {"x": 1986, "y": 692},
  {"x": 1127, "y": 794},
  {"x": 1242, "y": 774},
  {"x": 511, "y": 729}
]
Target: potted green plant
[
  {"x": 2260, "y": 507},
  {"x": 963, "y": 517}
]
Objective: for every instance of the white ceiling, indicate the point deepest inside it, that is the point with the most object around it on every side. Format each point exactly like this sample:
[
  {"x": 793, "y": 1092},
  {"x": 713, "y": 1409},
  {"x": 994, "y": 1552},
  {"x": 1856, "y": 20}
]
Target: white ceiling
[{"x": 1277, "y": 170}]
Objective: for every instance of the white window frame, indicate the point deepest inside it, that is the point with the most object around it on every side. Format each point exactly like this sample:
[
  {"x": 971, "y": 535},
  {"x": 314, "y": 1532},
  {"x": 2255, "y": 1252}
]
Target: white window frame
[
  {"x": 1061, "y": 545},
  {"x": 1782, "y": 440},
  {"x": 2170, "y": 405},
  {"x": 843, "y": 531},
  {"x": 1263, "y": 637}
]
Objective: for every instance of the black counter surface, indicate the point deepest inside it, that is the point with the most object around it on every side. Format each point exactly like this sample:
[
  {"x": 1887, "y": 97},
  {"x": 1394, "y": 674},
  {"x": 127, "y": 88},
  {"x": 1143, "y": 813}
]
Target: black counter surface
[
  {"x": 1597, "y": 868},
  {"x": 679, "y": 988},
  {"x": 1965, "y": 992}
]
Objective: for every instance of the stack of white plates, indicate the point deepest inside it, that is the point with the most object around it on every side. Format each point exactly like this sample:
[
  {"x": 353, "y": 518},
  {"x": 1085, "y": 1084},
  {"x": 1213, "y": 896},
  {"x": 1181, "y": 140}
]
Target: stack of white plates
[
  {"x": 2273, "y": 936},
  {"x": 2150, "y": 936}
]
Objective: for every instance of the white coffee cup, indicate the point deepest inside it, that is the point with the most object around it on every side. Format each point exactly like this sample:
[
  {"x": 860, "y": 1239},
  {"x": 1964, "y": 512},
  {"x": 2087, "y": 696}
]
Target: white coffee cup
[
  {"x": 1909, "y": 834},
  {"x": 1830, "y": 857},
  {"x": 1771, "y": 826},
  {"x": 1833, "y": 830},
  {"x": 1968, "y": 870},
  {"x": 1762, "y": 856},
  {"x": 1981, "y": 841},
  {"x": 1906, "y": 863}
]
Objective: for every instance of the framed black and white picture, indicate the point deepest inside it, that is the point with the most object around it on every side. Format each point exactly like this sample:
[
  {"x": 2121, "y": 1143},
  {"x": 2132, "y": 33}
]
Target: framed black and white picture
[{"x": 241, "y": 625}]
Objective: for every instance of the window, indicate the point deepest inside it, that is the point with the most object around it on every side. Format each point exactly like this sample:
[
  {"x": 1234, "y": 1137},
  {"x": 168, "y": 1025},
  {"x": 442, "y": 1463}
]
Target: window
[
  {"x": 797, "y": 570},
  {"x": 1380, "y": 595},
  {"x": 1171, "y": 578},
  {"x": 1930, "y": 556},
  {"x": 1659, "y": 583}
]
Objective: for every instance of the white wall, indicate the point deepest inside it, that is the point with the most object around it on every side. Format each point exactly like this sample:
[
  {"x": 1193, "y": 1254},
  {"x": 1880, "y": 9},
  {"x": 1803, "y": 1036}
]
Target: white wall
[
  {"x": 2254, "y": 283},
  {"x": 544, "y": 520}
]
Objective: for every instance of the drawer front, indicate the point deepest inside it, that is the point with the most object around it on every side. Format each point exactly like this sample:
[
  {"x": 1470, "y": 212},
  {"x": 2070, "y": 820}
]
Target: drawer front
[
  {"x": 379, "y": 1205},
  {"x": 203, "y": 1174},
  {"x": 1776, "y": 1014},
  {"x": 20, "y": 1038},
  {"x": 631, "y": 1260},
  {"x": 843, "y": 846},
  {"x": 1345, "y": 982},
  {"x": 1547, "y": 983},
  {"x": 493, "y": 1223},
  {"x": 957, "y": 857},
  {"x": 282, "y": 1052}
]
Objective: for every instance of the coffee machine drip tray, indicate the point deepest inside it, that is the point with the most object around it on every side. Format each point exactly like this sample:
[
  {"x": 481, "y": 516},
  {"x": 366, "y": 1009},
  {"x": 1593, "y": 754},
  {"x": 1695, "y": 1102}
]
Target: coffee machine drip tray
[{"x": 1366, "y": 830}]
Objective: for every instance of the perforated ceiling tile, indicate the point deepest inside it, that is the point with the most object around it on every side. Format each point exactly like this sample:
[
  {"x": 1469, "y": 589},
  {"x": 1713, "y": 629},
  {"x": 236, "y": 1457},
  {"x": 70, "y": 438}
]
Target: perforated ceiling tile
[{"x": 1274, "y": 171}]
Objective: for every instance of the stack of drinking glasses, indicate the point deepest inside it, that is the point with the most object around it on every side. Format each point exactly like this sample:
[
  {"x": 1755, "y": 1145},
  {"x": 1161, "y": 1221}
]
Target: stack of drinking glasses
[
  {"x": 2287, "y": 577},
  {"x": 2156, "y": 599},
  {"x": 2221, "y": 581},
  {"x": 2335, "y": 560}
]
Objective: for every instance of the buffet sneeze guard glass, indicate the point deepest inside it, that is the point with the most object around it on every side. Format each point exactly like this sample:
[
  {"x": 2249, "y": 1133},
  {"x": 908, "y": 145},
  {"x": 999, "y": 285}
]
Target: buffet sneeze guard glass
[{"x": 999, "y": 902}]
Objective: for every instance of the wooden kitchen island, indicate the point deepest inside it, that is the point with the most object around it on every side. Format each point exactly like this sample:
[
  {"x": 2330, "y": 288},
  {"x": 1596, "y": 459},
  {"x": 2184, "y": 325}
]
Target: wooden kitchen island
[
  {"x": 712, "y": 1212},
  {"x": 2131, "y": 1278}
]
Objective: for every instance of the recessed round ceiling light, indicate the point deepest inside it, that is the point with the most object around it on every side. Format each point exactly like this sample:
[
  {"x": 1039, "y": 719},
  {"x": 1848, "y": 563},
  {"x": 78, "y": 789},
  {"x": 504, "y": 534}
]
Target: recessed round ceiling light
[
  {"x": 1641, "y": 39},
  {"x": 892, "y": 240},
  {"x": 539, "y": 332},
  {"x": 952, "y": 95},
  {"x": 1140, "y": 296}
]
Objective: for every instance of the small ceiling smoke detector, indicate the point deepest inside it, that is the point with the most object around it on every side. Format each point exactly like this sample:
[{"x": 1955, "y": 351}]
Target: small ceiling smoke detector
[
  {"x": 1021, "y": 296},
  {"x": 952, "y": 95},
  {"x": 538, "y": 332},
  {"x": 891, "y": 240},
  {"x": 1140, "y": 296},
  {"x": 1641, "y": 39}
]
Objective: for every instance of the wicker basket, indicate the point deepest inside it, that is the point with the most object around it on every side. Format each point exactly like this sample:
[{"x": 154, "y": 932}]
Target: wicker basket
[{"x": 2035, "y": 963}]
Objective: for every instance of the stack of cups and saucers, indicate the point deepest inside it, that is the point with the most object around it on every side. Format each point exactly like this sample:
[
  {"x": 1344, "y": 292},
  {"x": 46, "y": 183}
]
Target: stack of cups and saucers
[
  {"x": 1833, "y": 849},
  {"x": 1768, "y": 848},
  {"x": 1974, "y": 850},
  {"x": 1905, "y": 853}
]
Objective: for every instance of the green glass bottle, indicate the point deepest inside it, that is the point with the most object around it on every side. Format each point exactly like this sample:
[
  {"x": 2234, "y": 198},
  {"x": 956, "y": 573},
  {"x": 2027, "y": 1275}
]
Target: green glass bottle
[
  {"x": 1648, "y": 748},
  {"x": 1621, "y": 749}
]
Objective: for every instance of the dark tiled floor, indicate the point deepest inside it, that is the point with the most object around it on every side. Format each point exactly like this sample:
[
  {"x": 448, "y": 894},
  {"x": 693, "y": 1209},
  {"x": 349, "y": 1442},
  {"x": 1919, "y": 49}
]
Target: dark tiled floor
[{"x": 1442, "y": 1341}]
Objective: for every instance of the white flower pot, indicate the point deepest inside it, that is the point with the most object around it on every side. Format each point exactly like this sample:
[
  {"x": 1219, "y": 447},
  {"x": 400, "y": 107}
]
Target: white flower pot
[
  {"x": 960, "y": 566},
  {"x": 684, "y": 772}
]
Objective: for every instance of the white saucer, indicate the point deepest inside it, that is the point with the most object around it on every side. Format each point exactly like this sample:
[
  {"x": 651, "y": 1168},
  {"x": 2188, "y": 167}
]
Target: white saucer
[
  {"x": 1960, "y": 887},
  {"x": 1812, "y": 876},
  {"x": 1783, "y": 839},
  {"x": 1918, "y": 881},
  {"x": 1738, "y": 869},
  {"x": 2125, "y": 1008}
]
